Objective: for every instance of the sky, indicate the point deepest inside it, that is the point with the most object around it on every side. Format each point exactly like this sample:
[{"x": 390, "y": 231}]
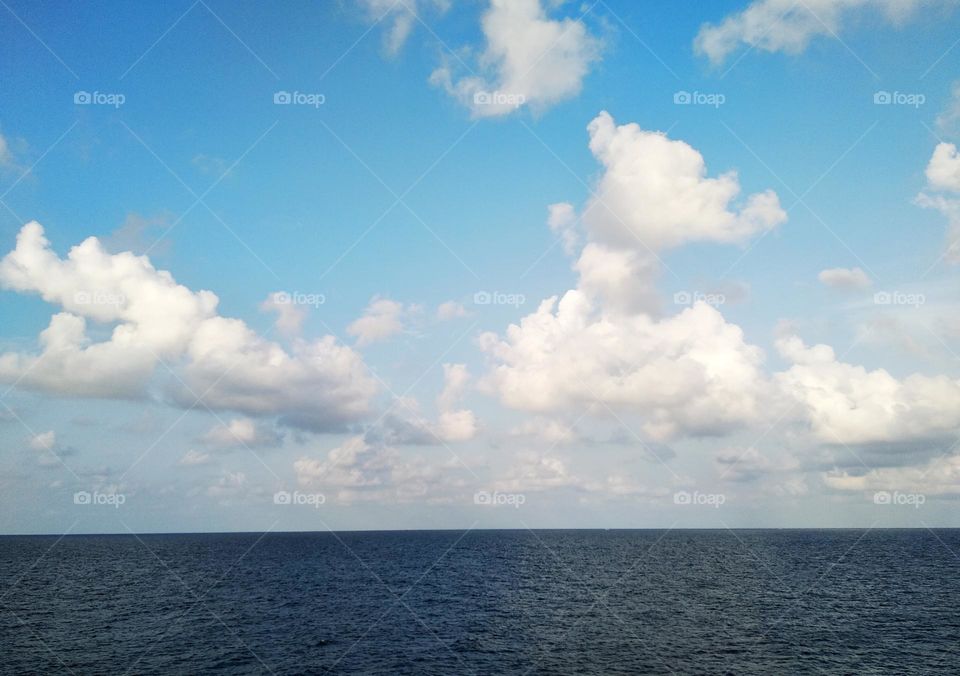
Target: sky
[{"x": 414, "y": 264}]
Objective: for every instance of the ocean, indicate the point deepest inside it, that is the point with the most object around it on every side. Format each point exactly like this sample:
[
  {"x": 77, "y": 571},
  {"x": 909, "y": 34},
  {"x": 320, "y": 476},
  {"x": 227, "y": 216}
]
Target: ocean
[{"x": 483, "y": 602}]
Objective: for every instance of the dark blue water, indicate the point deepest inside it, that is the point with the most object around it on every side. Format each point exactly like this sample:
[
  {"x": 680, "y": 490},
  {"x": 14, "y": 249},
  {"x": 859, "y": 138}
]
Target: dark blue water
[{"x": 517, "y": 602}]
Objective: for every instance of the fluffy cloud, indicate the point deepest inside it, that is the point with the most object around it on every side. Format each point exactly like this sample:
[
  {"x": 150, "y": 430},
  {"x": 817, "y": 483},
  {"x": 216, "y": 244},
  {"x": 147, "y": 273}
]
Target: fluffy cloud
[
  {"x": 847, "y": 404},
  {"x": 318, "y": 385},
  {"x": 943, "y": 174},
  {"x": 690, "y": 373},
  {"x": 789, "y": 26},
  {"x": 242, "y": 432},
  {"x": 844, "y": 278},
  {"x": 382, "y": 319},
  {"x": 655, "y": 194},
  {"x": 529, "y": 59}
]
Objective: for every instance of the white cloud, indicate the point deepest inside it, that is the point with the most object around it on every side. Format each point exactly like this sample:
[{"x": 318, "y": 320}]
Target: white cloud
[
  {"x": 847, "y": 404},
  {"x": 529, "y": 59},
  {"x": 943, "y": 174},
  {"x": 943, "y": 170},
  {"x": 242, "y": 432},
  {"x": 382, "y": 319},
  {"x": 319, "y": 384},
  {"x": 789, "y": 26},
  {"x": 289, "y": 316},
  {"x": 691, "y": 373},
  {"x": 655, "y": 194},
  {"x": 845, "y": 278},
  {"x": 450, "y": 309},
  {"x": 229, "y": 485}
]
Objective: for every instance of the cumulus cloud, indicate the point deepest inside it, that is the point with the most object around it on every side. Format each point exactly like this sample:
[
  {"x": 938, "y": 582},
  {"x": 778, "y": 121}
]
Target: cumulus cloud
[
  {"x": 847, "y": 404},
  {"x": 319, "y": 384},
  {"x": 529, "y": 59},
  {"x": 382, "y": 319},
  {"x": 845, "y": 278},
  {"x": 692, "y": 373},
  {"x": 242, "y": 432},
  {"x": 943, "y": 175},
  {"x": 655, "y": 193},
  {"x": 789, "y": 26}
]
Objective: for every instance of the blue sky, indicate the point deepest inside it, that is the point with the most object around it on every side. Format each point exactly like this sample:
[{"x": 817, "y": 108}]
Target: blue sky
[{"x": 382, "y": 201}]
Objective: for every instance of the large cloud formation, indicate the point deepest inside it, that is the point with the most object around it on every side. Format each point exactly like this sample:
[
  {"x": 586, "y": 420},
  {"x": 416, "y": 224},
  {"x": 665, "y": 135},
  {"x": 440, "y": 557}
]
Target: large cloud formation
[
  {"x": 692, "y": 373},
  {"x": 317, "y": 385}
]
